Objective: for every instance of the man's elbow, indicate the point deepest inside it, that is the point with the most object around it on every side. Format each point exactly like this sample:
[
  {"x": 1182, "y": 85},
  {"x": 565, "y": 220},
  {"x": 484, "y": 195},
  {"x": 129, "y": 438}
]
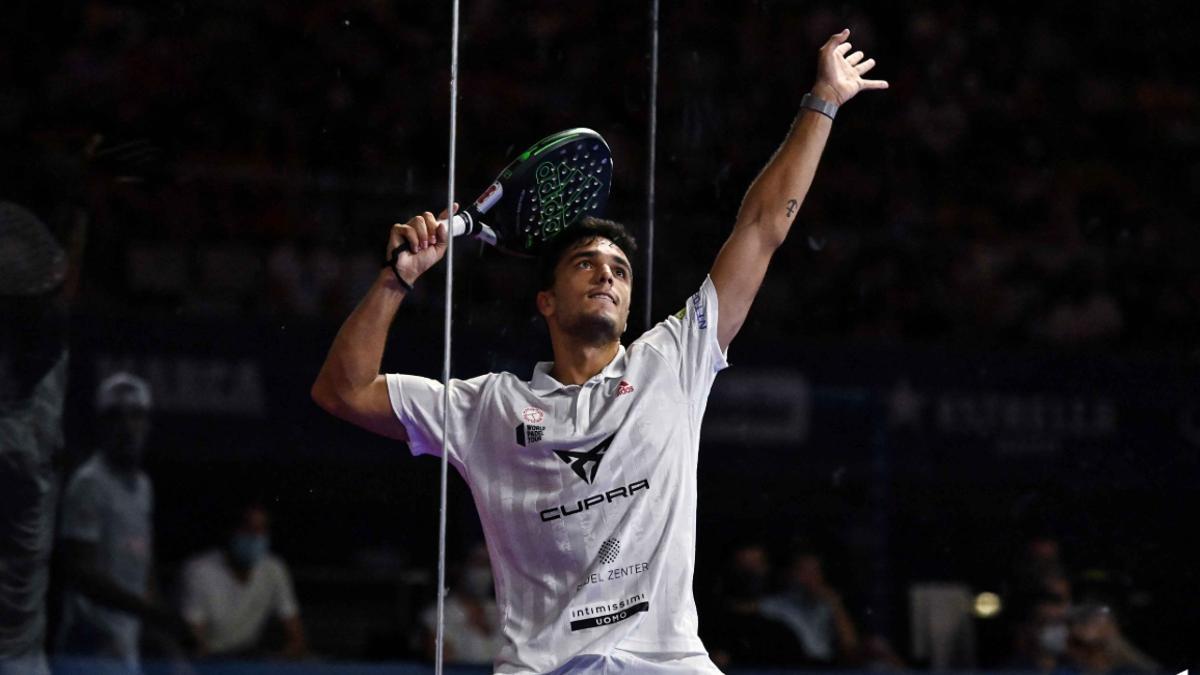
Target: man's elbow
[{"x": 327, "y": 397}]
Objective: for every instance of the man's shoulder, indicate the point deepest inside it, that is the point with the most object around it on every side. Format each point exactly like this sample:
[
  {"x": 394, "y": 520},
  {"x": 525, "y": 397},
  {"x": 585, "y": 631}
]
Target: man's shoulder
[
  {"x": 204, "y": 562},
  {"x": 87, "y": 478},
  {"x": 499, "y": 382},
  {"x": 275, "y": 566}
]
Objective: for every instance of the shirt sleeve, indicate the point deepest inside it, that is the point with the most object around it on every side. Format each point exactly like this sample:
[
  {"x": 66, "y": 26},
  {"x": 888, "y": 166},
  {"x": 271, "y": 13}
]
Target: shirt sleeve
[
  {"x": 418, "y": 404},
  {"x": 688, "y": 341},
  {"x": 81, "y": 518},
  {"x": 193, "y": 606},
  {"x": 286, "y": 606}
]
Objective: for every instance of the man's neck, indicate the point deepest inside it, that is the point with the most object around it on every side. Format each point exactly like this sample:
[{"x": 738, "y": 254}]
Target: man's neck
[
  {"x": 124, "y": 470},
  {"x": 575, "y": 363}
]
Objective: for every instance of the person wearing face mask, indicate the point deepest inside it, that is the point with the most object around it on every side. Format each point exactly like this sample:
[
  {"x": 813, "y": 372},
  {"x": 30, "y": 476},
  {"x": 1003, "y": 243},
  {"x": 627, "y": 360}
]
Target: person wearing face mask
[
  {"x": 472, "y": 619},
  {"x": 231, "y": 594},
  {"x": 814, "y": 611},
  {"x": 1041, "y": 639},
  {"x": 741, "y": 634},
  {"x": 106, "y": 541}
]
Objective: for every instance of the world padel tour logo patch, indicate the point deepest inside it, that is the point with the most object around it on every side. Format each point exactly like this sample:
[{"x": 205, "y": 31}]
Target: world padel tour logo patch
[
  {"x": 585, "y": 464},
  {"x": 528, "y": 434}
]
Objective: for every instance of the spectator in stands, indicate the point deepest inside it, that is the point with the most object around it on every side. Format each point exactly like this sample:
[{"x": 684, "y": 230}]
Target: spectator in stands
[
  {"x": 230, "y": 594},
  {"x": 1041, "y": 571},
  {"x": 739, "y": 634},
  {"x": 814, "y": 612},
  {"x": 106, "y": 543},
  {"x": 472, "y": 631},
  {"x": 1095, "y": 645},
  {"x": 1041, "y": 639}
]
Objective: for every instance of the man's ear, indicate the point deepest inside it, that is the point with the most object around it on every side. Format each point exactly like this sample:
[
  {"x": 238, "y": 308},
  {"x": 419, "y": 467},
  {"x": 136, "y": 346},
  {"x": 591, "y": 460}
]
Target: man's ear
[{"x": 545, "y": 303}]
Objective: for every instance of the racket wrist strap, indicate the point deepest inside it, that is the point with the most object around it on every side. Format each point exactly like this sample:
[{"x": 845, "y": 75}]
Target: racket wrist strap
[
  {"x": 819, "y": 105},
  {"x": 390, "y": 263}
]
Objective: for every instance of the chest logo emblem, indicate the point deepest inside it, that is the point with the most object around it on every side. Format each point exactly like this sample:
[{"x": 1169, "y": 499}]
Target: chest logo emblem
[
  {"x": 533, "y": 415},
  {"x": 624, "y": 388},
  {"x": 585, "y": 464},
  {"x": 528, "y": 434}
]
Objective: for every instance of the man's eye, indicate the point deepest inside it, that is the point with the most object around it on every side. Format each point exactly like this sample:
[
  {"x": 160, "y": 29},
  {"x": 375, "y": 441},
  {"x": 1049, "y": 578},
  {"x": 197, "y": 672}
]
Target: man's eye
[
  {"x": 583, "y": 264},
  {"x": 621, "y": 273}
]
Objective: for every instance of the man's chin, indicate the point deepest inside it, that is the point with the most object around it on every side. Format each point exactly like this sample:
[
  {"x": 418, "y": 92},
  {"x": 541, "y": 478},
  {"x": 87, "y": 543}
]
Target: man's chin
[{"x": 594, "y": 329}]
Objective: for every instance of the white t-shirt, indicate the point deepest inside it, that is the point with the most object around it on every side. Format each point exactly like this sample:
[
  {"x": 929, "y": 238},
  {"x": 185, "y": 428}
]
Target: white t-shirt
[
  {"x": 465, "y": 641},
  {"x": 102, "y": 508},
  {"x": 587, "y": 496},
  {"x": 233, "y": 614}
]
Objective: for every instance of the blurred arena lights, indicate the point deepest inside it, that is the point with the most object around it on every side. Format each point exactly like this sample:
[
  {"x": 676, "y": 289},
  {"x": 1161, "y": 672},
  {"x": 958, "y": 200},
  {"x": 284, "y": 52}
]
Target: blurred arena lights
[{"x": 987, "y": 605}]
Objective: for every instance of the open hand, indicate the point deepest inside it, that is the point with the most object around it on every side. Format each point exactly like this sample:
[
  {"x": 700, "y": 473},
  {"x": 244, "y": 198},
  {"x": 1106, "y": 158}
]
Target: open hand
[{"x": 840, "y": 73}]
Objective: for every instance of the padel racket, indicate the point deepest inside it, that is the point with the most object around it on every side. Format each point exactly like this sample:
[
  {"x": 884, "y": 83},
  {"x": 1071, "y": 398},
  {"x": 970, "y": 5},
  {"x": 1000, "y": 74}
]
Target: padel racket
[{"x": 545, "y": 190}]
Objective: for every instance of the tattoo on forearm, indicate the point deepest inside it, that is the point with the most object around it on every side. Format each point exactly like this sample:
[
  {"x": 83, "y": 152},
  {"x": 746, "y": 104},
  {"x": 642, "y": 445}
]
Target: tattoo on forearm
[{"x": 791, "y": 207}]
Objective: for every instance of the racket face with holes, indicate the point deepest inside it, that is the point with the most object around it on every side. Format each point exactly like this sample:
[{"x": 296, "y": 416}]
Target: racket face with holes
[{"x": 548, "y": 188}]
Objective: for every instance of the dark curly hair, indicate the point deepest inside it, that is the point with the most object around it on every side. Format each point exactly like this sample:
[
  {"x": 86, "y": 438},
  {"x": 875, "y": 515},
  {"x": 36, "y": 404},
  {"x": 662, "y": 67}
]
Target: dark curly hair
[{"x": 585, "y": 230}]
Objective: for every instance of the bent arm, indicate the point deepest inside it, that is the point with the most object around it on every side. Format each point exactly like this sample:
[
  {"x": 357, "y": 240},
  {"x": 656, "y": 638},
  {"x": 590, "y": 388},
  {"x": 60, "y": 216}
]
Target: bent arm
[
  {"x": 81, "y": 571},
  {"x": 295, "y": 646},
  {"x": 349, "y": 384}
]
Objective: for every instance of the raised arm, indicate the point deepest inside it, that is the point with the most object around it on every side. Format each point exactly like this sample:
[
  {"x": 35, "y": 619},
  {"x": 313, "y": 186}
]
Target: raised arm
[
  {"x": 349, "y": 384},
  {"x": 774, "y": 198}
]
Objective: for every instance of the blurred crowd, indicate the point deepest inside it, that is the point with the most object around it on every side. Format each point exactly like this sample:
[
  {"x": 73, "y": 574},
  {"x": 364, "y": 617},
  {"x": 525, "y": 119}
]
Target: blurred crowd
[
  {"x": 1021, "y": 183},
  {"x": 766, "y": 606},
  {"x": 1024, "y": 182}
]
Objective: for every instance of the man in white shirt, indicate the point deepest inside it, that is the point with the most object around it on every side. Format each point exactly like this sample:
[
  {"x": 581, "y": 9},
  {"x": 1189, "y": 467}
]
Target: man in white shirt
[
  {"x": 106, "y": 541},
  {"x": 231, "y": 593},
  {"x": 585, "y": 476}
]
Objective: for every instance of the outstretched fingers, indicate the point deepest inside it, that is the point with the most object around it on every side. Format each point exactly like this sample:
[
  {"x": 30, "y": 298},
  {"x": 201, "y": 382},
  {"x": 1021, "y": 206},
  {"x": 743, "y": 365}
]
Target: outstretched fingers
[{"x": 838, "y": 38}]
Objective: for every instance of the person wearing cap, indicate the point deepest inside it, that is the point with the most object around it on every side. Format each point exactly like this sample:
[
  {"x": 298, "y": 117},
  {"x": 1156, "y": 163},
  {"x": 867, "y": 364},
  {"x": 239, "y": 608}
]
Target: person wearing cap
[{"x": 106, "y": 542}]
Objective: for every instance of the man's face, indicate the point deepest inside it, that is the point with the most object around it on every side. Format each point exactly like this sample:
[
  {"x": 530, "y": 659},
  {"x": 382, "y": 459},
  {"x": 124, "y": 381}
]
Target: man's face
[
  {"x": 590, "y": 297},
  {"x": 255, "y": 522},
  {"x": 806, "y": 573},
  {"x": 125, "y": 429},
  {"x": 252, "y": 539}
]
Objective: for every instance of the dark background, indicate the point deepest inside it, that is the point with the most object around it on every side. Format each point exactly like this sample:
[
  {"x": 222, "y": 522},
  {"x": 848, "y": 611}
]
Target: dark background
[{"x": 1011, "y": 225}]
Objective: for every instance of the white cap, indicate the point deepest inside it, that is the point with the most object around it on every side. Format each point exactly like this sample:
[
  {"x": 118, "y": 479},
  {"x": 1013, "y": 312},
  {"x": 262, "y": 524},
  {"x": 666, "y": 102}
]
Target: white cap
[{"x": 124, "y": 390}]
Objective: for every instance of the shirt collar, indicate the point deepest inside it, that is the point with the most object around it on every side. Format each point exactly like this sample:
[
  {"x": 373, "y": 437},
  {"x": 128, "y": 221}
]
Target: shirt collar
[{"x": 543, "y": 383}]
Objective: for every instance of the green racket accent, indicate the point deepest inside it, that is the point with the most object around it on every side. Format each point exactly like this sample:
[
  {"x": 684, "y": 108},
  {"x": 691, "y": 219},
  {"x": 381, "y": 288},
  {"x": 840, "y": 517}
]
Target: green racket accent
[
  {"x": 564, "y": 177},
  {"x": 565, "y": 194},
  {"x": 545, "y": 190}
]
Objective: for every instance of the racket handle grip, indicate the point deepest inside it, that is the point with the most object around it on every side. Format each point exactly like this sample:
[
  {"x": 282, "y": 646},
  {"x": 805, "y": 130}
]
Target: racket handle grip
[
  {"x": 459, "y": 226},
  {"x": 462, "y": 224}
]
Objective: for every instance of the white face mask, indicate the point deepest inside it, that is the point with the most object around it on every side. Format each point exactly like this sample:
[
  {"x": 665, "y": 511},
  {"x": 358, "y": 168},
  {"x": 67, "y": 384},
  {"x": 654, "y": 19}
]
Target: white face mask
[{"x": 1052, "y": 638}]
